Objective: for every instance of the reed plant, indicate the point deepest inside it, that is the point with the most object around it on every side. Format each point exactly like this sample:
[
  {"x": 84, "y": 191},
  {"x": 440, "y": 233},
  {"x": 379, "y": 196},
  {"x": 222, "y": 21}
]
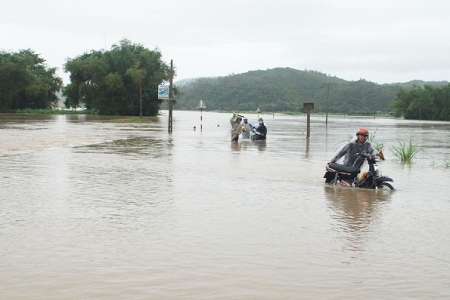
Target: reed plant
[
  {"x": 447, "y": 163},
  {"x": 405, "y": 153}
]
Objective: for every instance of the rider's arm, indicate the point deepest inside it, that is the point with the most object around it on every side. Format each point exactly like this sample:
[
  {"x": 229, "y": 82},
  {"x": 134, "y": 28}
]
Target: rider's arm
[
  {"x": 232, "y": 119},
  {"x": 372, "y": 152},
  {"x": 341, "y": 152}
]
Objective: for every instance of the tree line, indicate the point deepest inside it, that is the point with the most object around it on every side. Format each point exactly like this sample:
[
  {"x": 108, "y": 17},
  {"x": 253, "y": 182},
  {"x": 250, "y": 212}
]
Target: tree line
[
  {"x": 26, "y": 82},
  {"x": 124, "y": 81},
  {"x": 286, "y": 89},
  {"x": 121, "y": 81},
  {"x": 423, "y": 103}
]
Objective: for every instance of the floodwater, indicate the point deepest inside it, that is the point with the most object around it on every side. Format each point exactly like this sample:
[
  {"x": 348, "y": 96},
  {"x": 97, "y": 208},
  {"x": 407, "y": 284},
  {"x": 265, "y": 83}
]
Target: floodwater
[{"x": 95, "y": 209}]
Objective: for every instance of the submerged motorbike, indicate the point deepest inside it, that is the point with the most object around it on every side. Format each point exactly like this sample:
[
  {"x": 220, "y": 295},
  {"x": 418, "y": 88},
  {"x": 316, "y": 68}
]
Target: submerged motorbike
[
  {"x": 349, "y": 176},
  {"x": 255, "y": 135}
]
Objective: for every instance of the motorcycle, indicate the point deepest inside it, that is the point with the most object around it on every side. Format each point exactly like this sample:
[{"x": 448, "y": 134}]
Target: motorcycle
[
  {"x": 255, "y": 135},
  {"x": 349, "y": 176}
]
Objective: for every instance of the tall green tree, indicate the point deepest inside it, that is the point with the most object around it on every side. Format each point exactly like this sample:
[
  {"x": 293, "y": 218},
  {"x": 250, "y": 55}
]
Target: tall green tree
[
  {"x": 27, "y": 82},
  {"x": 121, "y": 81},
  {"x": 423, "y": 103},
  {"x": 138, "y": 76}
]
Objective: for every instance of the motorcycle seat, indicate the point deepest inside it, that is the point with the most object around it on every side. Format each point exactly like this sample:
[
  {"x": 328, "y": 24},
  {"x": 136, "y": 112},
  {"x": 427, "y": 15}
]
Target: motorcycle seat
[{"x": 342, "y": 168}]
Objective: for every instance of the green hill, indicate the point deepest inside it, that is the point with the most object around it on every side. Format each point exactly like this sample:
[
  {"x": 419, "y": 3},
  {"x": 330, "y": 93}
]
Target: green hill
[{"x": 285, "y": 90}]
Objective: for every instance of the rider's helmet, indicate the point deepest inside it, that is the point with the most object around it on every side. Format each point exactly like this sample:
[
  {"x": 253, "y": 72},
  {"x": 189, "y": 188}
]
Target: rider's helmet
[
  {"x": 363, "y": 130},
  {"x": 260, "y": 120}
]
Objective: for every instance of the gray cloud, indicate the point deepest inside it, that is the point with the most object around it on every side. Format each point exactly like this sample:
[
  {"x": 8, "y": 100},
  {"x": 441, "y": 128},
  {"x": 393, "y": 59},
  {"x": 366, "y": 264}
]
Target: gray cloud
[{"x": 381, "y": 41}]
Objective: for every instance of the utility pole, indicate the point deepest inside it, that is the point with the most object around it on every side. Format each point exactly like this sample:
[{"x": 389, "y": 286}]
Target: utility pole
[
  {"x": 140, "y": 96},
  {"x": 328, "y": 99},
  {"x": 308, "y": 107},
  {"x": 171, "y": 96}
]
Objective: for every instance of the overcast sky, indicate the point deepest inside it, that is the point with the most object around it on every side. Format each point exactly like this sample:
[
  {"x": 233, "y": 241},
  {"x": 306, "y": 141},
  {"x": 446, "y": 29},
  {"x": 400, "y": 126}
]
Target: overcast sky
[{"x": 382, "y": 41}]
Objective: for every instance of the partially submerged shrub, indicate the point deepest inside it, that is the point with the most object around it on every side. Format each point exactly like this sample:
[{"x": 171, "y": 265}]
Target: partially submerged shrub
[
  {"x": 406, "y": 153},
  {"x": 447, "y": 163}
]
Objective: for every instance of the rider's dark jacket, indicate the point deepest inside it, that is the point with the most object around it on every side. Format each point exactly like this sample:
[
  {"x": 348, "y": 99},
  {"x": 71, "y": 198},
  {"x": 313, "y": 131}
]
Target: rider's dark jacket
[
  {"x": 262, "y": 129},
  {"x": 350, "y": 153}
]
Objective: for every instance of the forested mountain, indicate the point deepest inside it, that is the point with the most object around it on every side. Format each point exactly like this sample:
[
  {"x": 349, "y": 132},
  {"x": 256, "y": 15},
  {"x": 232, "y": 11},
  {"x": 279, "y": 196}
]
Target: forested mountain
[{"x": 284, "y": 90}]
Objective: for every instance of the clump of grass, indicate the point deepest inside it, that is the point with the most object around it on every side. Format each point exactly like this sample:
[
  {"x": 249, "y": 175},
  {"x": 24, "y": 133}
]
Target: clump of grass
[
  {"x": 406, "y": 153},
  {"x": 434, "y": 164},
  {"x": 447, "y": 163},
  {"x": 376, "y": 145}
]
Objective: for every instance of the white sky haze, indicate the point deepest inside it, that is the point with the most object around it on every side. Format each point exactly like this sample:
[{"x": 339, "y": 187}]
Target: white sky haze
[{"x": 383, "y": 41}]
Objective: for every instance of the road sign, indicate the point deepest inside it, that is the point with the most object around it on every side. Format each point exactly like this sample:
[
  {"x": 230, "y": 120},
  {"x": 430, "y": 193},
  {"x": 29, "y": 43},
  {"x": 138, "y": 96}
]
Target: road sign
[{"x": 163, "y": 92}]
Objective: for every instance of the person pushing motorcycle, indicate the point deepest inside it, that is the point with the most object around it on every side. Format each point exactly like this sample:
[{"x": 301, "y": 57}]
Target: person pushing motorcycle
[{"x": 350, "y": 151}]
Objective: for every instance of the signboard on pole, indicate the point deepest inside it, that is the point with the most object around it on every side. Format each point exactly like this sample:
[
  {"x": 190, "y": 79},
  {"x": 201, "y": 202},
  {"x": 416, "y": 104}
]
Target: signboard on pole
[
  {"x": 201, "y": 105},
  {"x": 308, "y": 106},
  {"x": 163, "y": 92}
]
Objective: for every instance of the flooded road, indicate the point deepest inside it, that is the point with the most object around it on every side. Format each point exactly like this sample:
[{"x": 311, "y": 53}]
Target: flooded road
[{"x": 96, "y": 209}]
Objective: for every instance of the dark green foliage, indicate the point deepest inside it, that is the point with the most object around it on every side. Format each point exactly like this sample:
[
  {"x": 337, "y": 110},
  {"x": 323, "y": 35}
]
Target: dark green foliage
[
  {"x": 109, "y": 82},
  {"x": 26, "y": 82},
  {"x": 423, "y": 103},
  {"x": 286, "y": 89}
]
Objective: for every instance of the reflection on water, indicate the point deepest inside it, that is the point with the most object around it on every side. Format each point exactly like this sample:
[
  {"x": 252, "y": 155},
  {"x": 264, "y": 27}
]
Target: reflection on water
[
  {"x": 94, "y": 208},
  {"x": 248, "y": 144},
  {"x": 356, "y": 211}
]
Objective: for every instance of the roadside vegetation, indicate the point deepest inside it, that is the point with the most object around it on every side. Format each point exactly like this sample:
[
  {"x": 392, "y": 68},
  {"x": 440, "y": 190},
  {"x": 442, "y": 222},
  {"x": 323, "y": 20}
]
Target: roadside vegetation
[
  {"x": 27, "y": 82},
  {"x": 124, "y": 81},
  {"x": 121, "y": 81},
  {"x": 423, "y": 103}
]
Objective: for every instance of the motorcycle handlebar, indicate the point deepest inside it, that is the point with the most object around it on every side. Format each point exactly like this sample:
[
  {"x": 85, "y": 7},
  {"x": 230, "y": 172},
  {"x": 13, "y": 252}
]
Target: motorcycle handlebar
[{"x": 367, "y": 156}]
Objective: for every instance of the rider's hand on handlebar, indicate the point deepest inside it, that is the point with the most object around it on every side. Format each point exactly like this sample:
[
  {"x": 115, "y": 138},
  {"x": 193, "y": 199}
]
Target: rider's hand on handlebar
[{"x": 365, "y": 155}]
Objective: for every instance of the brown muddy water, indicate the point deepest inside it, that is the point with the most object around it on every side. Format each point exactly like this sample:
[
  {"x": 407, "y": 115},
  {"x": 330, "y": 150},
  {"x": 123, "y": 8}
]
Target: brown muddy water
[{"x": 94, "y": 209}]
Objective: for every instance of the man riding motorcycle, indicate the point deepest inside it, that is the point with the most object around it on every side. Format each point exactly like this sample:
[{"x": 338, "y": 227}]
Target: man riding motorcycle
[
  {"x": 350, "y": 150},
  {"x": 354, "y": 154},
  {"x": 260, "y": 133}
]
